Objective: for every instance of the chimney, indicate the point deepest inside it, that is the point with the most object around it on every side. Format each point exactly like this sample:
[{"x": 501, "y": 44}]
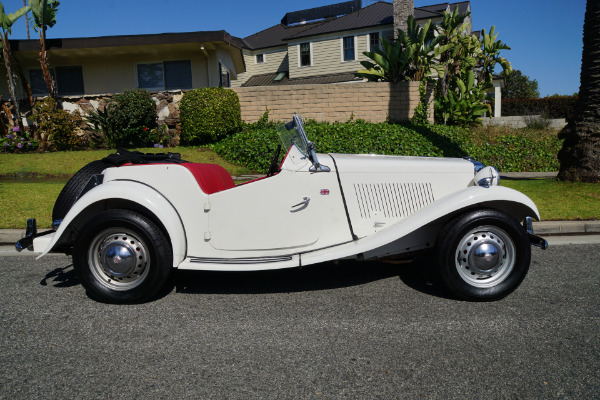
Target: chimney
[{"x": 402, "y": 9}]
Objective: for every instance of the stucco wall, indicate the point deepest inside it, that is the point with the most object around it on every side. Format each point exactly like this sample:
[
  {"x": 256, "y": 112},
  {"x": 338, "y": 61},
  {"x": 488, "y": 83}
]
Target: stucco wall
[{"x": 370, "y": 101}]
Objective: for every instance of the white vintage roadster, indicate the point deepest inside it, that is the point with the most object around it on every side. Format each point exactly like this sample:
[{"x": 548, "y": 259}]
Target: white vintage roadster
[{"x": 130, "y": 219}]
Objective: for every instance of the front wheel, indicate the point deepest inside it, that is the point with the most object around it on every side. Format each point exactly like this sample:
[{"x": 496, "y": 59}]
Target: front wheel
[
  {"x": 483, "y": 255},
  {"x": 122, "y": 257}
]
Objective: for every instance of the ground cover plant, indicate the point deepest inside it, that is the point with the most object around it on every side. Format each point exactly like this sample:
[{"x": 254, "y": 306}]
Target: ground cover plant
[{"x": 506, "y": 149}]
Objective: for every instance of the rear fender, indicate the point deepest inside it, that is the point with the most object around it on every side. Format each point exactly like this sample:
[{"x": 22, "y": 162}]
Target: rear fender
[
  {"x": 143, "y": 196},
  {"x": 397, "y": 236}
]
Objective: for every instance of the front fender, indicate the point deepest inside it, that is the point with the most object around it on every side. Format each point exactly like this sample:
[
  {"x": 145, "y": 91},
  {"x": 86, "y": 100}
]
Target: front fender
[
  {"x": 135, "y": 192},
  {"x": 505, "y": 199}
]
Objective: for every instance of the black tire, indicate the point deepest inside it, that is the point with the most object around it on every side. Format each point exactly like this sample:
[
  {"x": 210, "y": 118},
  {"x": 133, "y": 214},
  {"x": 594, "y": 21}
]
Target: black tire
[
  {"x": 68, "y": 195},
  {"x": 122, "y": 257},
  {"x": 482, "y": 255}
]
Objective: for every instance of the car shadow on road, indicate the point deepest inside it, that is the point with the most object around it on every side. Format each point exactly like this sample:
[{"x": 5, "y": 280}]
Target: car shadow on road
[
  {"x": 324, "y": 276},
  {"x": 61, "y": 277}
]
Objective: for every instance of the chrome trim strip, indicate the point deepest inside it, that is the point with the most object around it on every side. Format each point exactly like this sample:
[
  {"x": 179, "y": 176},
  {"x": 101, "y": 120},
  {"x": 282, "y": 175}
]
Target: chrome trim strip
[{"x": 249, "y": 260}]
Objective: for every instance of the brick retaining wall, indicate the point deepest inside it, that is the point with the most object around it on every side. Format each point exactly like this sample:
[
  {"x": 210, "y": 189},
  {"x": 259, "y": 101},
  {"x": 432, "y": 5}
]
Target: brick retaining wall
[{"x": 371, "y": 101}]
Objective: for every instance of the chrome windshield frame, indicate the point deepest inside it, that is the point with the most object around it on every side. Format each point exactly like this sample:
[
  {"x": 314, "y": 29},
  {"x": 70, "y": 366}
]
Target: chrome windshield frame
[{"x": 300, "y": 140}]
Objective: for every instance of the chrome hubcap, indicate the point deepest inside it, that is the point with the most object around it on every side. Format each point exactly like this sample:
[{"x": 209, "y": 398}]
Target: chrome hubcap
[
  {"x": 485, "y": 256},
  {"x": 118, "y": 259}
]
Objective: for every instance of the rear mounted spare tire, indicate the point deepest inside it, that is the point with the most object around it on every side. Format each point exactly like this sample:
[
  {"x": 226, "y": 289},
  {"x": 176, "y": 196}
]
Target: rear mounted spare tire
[{"x": 74, "y": 186}]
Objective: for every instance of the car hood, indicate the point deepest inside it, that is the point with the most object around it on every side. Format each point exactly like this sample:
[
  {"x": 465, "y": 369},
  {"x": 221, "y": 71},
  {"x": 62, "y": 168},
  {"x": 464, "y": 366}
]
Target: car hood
[{"x": 370, "y": 163}]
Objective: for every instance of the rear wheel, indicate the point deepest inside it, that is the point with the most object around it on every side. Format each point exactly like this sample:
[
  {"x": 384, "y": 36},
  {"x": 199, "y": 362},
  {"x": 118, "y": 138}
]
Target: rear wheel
[
  {"x": 483, "y": 255},
  {"x": 70, "y": 192},
  {"x": 122, "y": 257}
]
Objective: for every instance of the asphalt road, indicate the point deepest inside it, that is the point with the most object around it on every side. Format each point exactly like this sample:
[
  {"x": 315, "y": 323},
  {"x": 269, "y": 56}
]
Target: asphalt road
[{"x": 348, "y": 330}]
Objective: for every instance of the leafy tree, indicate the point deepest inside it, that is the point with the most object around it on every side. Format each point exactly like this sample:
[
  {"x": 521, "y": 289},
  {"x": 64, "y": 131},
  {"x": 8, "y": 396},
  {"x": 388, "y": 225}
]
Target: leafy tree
[
  {"x": 6, "y": 23},
  {"x": 519, "y": 86},
  {"x": 464, "y": 65},
  {"x": 470, "y": 63},
  {"x": 44, "y": 17},
  {"x": 410, "y": 57},
  {"x": 580, "y": 155}
]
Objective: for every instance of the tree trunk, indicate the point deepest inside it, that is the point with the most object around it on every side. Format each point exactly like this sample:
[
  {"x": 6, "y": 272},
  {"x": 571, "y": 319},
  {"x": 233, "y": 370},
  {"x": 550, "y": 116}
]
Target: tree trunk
[
  {"x": 580, "y": 155},
  {"x": 402, "y": 9},
  {"x": 45, "y": 65},
  {"x": 11, "y": 82},
  {"x": 26, "y": 20}
]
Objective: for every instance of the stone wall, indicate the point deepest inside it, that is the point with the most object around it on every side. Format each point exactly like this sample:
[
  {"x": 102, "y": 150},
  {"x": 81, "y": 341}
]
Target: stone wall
[
  {"x": 523, "y": 121},
  {"x": 167, "y": 106},
  {"x": 371, "y": 101}
]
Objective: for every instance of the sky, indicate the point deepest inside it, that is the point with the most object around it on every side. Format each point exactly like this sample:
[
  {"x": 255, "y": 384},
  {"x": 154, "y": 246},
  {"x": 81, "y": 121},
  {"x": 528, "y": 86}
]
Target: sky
[{"x": 545, "y": 36}]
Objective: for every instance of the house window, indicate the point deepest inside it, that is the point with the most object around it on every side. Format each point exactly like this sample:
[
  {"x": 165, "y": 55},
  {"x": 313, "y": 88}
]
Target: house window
[
  {"x": 168, "y": 75},
  {"x": 374, "y": 42},
  {"x": 68, "y": 80},
  {"x": 260, "y": 58},
  {"x": 305, "y": 55},
  {"x": 349, "y": 53},
  {"x": 224, "y": 76}
]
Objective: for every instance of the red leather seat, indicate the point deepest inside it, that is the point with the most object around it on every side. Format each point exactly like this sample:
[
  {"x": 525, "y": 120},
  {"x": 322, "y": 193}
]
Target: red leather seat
[{"x": 211, "y": 178}]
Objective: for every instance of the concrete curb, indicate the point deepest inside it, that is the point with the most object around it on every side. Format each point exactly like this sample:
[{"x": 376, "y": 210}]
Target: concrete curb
[{"x": 10, "y": 236}]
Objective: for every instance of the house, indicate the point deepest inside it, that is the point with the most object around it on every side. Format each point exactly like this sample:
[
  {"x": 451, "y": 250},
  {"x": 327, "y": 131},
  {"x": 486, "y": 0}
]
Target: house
[
  {"x": 111, "y": 64},
  {"x": 324, "y": 44}
]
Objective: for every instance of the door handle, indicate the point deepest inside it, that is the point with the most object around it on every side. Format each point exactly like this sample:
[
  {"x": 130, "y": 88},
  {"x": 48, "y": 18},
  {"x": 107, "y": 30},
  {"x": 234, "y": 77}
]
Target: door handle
[{"x": 303, "y": 204}]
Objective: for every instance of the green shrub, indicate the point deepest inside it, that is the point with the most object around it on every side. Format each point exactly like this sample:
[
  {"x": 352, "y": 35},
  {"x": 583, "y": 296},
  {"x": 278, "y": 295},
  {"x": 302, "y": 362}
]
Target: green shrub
[
  {"x": 58, "y": 129},
  {"x": 209, "y": 114},
  {"x": 513, "y": 151},
  {"x": 132, "y": 114},
  {"x": 126, "y": 121}
]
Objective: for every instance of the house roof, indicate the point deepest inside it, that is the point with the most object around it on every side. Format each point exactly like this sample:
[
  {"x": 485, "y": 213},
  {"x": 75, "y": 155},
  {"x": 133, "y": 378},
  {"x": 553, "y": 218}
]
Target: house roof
[
  {"x": 128, "y": 40},
  {"x": 269, "y": 79},
  {"x": 377, "y": 14},
  {"x": 275, "y": 35}
]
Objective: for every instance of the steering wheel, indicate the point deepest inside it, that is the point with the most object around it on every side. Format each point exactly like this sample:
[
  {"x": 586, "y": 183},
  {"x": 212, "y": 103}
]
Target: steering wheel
[{"x": 274, "y": 168}]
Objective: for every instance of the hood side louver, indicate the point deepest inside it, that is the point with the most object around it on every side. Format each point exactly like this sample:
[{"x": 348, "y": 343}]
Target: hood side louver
[{"x": 392, "y": 200}]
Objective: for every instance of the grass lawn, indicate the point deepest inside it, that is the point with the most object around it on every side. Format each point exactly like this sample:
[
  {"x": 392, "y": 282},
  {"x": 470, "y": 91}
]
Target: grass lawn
[
  {"x": 21, "y": 201},
  {"x": 555, "y": 200},
  {"x": 558, "y": 200},
  {"x": 66, "y": 163}
]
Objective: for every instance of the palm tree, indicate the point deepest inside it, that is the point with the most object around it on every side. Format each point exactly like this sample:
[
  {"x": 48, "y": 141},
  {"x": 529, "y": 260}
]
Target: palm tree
[
  {"x": 44, "y": 17},
  {"x": 26, "y": 20},
  {"x": 580, "y": 155},
  {"x": 6, "y": 23}
]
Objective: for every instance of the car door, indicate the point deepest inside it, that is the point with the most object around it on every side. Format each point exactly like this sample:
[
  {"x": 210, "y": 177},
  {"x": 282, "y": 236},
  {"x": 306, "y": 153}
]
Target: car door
[{"x": 274, "y": 213}]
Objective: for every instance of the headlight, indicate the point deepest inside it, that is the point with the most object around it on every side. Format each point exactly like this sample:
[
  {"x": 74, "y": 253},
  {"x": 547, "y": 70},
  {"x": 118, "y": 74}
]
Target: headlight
[{"x": 487, "y": 177}]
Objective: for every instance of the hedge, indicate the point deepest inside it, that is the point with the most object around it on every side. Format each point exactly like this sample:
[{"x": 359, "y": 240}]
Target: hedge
[
  {"x": 549, "y": 107},
  {"x": 521, "y": 151},
  {"x": 209, "y": 114}
]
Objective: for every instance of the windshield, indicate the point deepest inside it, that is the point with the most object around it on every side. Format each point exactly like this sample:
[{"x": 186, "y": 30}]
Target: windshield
[{"x": 293, "y": 133}]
